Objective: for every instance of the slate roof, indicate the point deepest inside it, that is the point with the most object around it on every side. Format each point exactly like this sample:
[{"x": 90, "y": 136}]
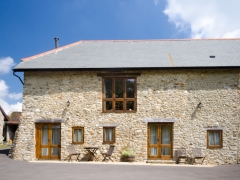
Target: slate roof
[
  {"x": 14, "y": 118},
  {"x": 142, "y": 54}
]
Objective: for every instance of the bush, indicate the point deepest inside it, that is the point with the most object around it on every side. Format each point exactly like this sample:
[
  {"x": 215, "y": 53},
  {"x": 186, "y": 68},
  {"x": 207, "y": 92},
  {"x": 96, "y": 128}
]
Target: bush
[{"x": 127, "y": 153}]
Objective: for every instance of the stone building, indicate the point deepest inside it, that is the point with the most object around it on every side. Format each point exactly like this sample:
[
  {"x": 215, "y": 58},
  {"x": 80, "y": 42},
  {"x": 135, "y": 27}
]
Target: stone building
[
  {"x": 154, "y": 97},
  {"x": 8, "y": 125},
  {"x": 3, "y": 118},
  {"x": 11, "y": 126}
]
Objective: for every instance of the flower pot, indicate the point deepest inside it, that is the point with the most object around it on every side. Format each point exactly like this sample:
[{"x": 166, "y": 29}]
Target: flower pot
[{"x": 128, "y": 159}]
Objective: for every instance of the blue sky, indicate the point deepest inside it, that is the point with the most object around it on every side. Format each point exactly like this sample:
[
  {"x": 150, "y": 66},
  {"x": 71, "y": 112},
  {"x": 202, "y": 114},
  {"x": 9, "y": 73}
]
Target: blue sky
[{"x": 29, "y": 26}]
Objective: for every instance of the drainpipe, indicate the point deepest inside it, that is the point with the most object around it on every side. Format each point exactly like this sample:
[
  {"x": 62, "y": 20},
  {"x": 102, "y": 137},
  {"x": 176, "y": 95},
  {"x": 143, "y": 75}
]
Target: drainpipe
[{"x": 18, "y": 77}]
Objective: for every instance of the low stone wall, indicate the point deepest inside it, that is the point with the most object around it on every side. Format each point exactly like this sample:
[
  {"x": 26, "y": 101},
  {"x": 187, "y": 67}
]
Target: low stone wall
[{"x": 160, "y": 94}]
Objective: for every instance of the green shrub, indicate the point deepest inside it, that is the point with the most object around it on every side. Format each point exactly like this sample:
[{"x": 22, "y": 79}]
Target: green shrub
[{"x": 127, "y": 153}]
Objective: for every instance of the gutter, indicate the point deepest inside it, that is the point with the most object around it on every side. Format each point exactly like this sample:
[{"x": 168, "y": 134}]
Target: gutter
[
  {"x": 18, "y": 77},
  {"x": 130, "y": 68}
]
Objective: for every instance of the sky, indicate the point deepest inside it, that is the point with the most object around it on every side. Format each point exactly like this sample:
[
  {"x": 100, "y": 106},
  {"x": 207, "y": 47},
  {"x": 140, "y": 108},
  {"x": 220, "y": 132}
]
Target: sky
[{"x": 28, "y": 27}]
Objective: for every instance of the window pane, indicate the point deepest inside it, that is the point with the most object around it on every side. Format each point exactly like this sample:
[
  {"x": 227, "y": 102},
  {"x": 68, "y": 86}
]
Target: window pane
[
  {"x": 165, "y": 151},
  {"x": 217, "y": 138},
  {"x": 106, "y": 135},
  {"x": 108, "y": 88},
  {"x": 55, "y": 151},
  {"x": 44, "y": 135},
  {"x": 119, "y": 88},
  {"x": 110, "y": 134},
  {"x": 44, "y": 151},
  {"x": 153, "y": 134},
  {"x": 153, "y": 151},
  {"x": 56, "y": 135},
  {"x": 130, "y": 105},
  {"x": 130, "y": 88},
  {"x": 211, "y": 139},
  {"x": 107, "y": 105},
  {"x": 165, "y": 134},
  {"x": 77, "y": 135},
  {"x": 119, "y": 105}
]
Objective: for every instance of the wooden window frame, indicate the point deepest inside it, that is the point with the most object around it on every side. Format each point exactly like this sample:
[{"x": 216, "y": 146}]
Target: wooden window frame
[
  {"x": 124, "y": 99},
  {"x": 221, "y": 139},
  {"x": 114, "y": 135},
  {"x": 77, "y": 128}
]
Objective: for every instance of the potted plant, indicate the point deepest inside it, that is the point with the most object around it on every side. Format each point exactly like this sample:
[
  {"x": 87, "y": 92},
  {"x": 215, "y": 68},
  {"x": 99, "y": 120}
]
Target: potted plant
[{"x": 128, "y": 155}]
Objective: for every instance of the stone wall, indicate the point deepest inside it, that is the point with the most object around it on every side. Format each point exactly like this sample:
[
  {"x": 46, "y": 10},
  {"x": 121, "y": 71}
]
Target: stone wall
[
  {"x": 1, "y": 126},
  {"x": 160, "y": 94}
]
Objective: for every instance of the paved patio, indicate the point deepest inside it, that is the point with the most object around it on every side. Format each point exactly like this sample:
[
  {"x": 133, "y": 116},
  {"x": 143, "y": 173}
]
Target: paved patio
[{"x": 36, "y": 170}]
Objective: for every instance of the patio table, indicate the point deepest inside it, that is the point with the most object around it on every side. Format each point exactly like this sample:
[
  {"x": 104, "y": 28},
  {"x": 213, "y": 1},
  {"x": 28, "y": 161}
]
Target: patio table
[{"x": 91, "y": 153}]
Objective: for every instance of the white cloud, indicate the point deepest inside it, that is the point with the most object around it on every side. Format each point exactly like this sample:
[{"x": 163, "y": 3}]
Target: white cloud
[
  {"x": 5, "y": 64},
  {"x": 205, "y": 18},
  {"x": 8, "y": 108},
  {"x": 3, "y": 89},
  {"x": 15, "y": 96}
]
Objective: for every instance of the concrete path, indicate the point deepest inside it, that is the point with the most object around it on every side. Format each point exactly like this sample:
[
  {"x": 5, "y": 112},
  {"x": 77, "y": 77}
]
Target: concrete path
[{"x": 42, "y": 170}]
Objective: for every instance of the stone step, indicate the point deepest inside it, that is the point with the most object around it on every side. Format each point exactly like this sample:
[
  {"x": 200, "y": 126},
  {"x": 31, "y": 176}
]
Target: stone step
[{"x": 161, "y": 161}]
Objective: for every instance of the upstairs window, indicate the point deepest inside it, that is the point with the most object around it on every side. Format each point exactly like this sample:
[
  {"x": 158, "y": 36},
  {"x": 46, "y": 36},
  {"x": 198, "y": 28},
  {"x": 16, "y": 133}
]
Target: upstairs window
[
  {"x": 119, "y": 95},
  {"x": 214, "y": 138}
]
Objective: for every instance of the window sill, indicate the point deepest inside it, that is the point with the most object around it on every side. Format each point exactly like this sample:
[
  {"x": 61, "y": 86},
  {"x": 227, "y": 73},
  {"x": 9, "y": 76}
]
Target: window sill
[
  {"x": 119, "y": 111},
  {"x": 77, "y": 142},
  {"x": 214, "y": 147},
  {"x": 108, "y": 143}
]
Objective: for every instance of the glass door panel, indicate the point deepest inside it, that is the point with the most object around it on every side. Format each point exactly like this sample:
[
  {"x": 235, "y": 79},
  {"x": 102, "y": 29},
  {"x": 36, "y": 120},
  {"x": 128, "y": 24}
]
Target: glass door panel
[
  {"x": 56, "y": 135},
  {"x": 44, "y": 135},
  {"x": 153, "y": 151},
  {"x": 44, "y": 151},
  {"x": 153, "y": 134},
  {"x": 165, "y": 151},
  {"x": 55, "y": 151},
  {"x": 166, "y": 136}
]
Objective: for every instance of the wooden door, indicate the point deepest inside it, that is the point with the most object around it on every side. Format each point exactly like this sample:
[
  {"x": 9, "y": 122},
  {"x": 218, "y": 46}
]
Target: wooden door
[
  {"x": 48, "y": 141},
  {"x": 160, "y": 141}
]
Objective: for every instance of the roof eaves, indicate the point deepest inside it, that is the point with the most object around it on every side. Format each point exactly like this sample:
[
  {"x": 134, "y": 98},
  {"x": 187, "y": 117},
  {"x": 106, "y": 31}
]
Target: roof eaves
[
  {"x": 4, "y": 114},
  {"x": 126, "y": 68},
  {"x": 51, "y": 51}
]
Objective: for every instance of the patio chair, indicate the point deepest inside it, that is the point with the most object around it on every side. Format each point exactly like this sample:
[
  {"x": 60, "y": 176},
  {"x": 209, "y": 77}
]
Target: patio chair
[
  {"x": 108, "y": 154},
  {"x": 182, "y": 154},
  {"x": 197, "y": 155},
  {"x": 72, "y": 152}
]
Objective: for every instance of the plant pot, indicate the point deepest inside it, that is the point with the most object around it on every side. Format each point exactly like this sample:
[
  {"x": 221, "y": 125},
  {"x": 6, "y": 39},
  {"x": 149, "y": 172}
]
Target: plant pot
[{"x": 128, "y": 159}]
